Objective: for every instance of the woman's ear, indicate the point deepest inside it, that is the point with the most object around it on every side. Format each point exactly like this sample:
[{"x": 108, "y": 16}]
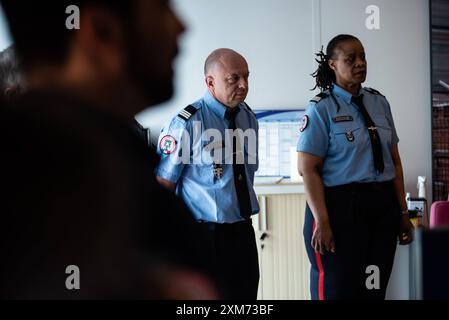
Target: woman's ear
[{"x": 331, "y": 64}]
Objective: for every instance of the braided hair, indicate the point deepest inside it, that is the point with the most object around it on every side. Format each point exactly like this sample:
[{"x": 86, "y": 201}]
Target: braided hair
[{"x": 324, "y": 75}]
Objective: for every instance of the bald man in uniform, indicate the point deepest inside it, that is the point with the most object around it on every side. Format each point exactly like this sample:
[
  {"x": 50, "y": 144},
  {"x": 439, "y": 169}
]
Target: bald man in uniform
[{"x": 209, "y": 157}]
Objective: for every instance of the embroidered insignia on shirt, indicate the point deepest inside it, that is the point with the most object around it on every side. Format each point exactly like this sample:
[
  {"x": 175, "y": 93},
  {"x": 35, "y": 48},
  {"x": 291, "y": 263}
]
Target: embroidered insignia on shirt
[
  {"x": 305, "y": 123},
  {"x": 343, "y": 119},
  {"x": 218, "y": 171},
  {"x": 168, "y": 145},
  {"x": 350, "y": 136}
]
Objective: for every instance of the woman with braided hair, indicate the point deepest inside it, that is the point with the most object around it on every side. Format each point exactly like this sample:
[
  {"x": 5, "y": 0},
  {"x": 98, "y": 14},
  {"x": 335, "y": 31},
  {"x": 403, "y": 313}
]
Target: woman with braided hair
[{"x": 348, "y": 155}]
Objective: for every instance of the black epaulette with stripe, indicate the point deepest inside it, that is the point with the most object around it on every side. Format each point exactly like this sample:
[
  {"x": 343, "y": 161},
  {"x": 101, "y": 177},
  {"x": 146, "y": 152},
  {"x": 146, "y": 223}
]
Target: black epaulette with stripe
[
  {"x": 374, "y": 91},
  {"x": 187, "y": 112},
  {"x": 319, "y": 97}
]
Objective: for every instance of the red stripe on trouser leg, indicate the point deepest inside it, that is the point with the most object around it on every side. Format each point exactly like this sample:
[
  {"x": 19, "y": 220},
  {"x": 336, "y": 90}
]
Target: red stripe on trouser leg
[{"x": 319, "y": 264}]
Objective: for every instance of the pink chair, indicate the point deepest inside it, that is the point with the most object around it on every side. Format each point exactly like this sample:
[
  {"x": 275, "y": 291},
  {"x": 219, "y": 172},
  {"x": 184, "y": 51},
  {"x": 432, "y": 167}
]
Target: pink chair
[{"x": 439, "y": 214}]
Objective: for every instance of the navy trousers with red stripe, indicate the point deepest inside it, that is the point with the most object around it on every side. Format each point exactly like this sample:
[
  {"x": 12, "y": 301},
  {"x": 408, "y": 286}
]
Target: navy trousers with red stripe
[{"x": 365, "y": 223}]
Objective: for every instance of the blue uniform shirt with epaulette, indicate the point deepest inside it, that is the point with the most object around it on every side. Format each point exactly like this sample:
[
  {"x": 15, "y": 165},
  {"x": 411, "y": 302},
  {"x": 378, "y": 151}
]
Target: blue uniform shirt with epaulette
[
  {"x": 334, "y": 130},
  {"x": 206, "y": 185}
]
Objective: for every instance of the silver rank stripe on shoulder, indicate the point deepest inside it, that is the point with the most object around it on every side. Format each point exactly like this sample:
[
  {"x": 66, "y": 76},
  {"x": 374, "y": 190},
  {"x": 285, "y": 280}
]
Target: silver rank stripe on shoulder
[
  {"x": 185, "y": 114},
  {"x": 317, "y": 99}
]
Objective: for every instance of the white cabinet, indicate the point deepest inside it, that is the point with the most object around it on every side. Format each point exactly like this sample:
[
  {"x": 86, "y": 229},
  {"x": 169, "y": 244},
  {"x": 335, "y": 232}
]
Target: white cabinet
[{"x": 284, "y": 266}]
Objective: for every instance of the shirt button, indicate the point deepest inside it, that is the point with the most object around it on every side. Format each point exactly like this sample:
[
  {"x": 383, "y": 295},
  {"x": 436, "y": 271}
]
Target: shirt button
[{"x": 240, "y": 177}]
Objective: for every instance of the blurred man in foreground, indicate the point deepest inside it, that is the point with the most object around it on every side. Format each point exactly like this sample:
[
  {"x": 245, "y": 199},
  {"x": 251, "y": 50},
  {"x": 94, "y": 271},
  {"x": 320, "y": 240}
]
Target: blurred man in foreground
[{"x": 81, "y": 185}]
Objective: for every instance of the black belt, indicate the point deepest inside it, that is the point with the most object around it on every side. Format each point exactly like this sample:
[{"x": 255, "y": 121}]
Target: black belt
[{"x": 363, "y": 187}]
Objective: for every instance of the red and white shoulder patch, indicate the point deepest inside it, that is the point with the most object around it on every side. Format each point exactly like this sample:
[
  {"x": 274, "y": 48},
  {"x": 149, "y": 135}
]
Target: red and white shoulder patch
[
  {"x": 168, "y": 145},
  {"x": 305, "y": 123}
]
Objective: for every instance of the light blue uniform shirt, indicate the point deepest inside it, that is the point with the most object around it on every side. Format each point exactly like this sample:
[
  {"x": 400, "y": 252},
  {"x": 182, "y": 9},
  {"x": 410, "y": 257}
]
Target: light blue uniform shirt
[
  {"x": 208, "y": 191},
  {"x": 341, "y": 138}
]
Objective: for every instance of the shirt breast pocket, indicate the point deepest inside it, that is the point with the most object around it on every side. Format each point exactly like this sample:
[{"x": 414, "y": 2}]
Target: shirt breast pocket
[
  {"x": 205, "y": 173},
  {"x": 347, "y": 135},
  {"x": 384, "y": 129}
]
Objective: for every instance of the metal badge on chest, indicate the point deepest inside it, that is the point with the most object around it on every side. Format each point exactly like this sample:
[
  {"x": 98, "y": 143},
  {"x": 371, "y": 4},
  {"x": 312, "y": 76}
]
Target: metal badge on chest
[
  {"x": 218, "y": 171},
  {"x": 350, "y": 136}
]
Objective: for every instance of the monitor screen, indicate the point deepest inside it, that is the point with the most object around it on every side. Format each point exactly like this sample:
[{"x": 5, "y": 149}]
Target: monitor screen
[{"x": 278, "y": 135}]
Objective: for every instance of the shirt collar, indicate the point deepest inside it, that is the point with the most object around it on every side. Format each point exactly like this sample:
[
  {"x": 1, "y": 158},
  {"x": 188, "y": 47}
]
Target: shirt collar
[
  {"x": 342, "y": 93},
  {"x": 216, "y": 106}
]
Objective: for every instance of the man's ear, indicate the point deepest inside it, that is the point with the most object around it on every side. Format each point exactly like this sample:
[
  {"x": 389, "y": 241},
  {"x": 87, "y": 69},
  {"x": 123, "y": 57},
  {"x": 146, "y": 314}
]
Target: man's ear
[
  {"x": 210, "y": 82},
  {"x": 8, "y": 92},
  {"x": 11, "y": 92}
]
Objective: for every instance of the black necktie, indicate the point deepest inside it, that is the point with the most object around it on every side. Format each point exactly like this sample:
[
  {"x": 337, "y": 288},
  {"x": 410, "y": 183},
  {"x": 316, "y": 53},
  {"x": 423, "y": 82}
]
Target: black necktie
[
  {"x": 373, "y": 135},
  {"x": 241, "y": 186}
]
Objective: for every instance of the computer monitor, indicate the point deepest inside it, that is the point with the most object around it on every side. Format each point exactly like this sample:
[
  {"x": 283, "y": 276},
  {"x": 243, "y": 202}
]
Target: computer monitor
[{"x": 278, "y": 134}]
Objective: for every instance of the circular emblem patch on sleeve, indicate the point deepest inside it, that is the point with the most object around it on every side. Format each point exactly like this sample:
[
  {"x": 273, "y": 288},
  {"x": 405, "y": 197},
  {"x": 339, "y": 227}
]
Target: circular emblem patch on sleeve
[
  {"x": 305, "y": 123},
  {"x": 168, "y": 145}
]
